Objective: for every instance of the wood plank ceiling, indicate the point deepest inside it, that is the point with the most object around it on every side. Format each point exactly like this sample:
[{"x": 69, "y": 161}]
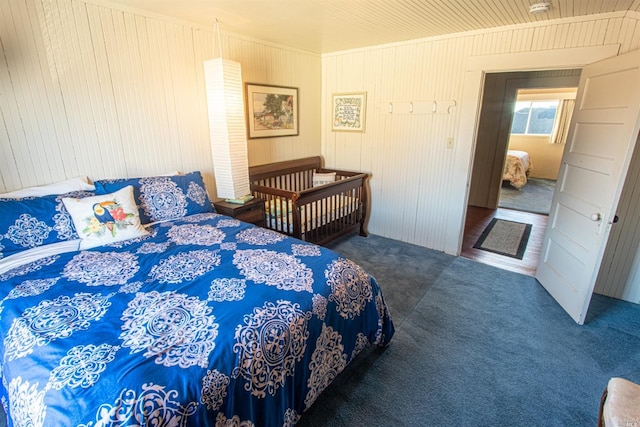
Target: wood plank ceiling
[{"x": 324, "y": 26}]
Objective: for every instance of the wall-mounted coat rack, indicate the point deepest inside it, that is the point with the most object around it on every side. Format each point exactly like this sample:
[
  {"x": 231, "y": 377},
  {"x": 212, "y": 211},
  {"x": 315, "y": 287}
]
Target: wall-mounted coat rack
[{"x": 416, "y": 107}]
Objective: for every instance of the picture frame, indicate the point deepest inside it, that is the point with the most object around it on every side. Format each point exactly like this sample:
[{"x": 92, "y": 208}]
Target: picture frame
[
  {"x": 349, "y": 111},
  {"x": 271, "y": 110}
]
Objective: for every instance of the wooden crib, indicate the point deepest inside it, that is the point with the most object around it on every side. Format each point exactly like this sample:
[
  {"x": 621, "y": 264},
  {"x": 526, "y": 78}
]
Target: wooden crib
[{"x": 293, "y": 206}]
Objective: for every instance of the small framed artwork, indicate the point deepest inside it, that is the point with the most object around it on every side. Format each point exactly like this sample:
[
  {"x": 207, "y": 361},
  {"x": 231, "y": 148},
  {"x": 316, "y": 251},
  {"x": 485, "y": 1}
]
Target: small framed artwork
[
  {"x": 349, "y": 111},
  {"x": 271, "y": 111}
]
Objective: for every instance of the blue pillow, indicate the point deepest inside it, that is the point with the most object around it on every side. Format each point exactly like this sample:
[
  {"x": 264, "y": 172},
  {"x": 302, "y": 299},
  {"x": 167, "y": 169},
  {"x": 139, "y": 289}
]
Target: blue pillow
[
  {"x": 163, "y": 197},
  {"x": 35, "y": 221}
]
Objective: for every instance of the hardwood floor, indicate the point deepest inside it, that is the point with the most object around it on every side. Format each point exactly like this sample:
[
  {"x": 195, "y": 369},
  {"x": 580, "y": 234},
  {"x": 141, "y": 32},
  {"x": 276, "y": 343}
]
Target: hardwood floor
[{"x": 476, "y": 221}]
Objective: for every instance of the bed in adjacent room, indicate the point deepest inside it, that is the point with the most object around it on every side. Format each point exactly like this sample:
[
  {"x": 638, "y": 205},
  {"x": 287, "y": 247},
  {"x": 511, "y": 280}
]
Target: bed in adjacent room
[
  {"x": 195, "y": 319},
  {"x": 516, "y": 168}
]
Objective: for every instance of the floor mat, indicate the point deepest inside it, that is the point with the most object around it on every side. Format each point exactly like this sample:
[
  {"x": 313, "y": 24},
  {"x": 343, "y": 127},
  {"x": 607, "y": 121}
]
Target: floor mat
[{"x": 504, "y": 237}]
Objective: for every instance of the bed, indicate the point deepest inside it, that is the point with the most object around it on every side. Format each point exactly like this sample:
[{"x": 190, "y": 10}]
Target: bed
[
  {"x": 309, "y": 202},
  {"x": 516, "y": 168},
  {"x": 181, "y": 317}
]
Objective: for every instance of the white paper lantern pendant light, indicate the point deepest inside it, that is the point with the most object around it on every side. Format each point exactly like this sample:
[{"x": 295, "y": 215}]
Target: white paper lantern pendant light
[{"x": 228, "y": 134}]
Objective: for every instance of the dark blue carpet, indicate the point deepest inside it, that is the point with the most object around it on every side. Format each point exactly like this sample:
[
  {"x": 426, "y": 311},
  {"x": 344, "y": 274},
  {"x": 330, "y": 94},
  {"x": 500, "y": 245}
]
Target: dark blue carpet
[
  {"x": 534, "y": 197},
  {"x": 481, "y": 347}
]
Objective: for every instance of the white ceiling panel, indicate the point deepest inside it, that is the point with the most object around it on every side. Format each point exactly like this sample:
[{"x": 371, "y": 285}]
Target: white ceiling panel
[{"x": 324, "y": 26}]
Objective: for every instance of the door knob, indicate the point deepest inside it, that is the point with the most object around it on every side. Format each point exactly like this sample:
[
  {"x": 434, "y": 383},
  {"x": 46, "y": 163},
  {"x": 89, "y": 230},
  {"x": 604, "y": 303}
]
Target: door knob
[{"x": 595, "y": 217}]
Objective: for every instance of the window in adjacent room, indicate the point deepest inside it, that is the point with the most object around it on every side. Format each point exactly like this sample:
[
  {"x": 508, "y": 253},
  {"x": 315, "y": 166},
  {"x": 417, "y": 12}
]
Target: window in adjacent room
[{"x": 534, "y": 117}]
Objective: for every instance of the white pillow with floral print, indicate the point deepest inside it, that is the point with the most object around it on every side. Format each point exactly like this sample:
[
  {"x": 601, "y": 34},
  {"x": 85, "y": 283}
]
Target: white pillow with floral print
[{"x": 107, "y": 218}]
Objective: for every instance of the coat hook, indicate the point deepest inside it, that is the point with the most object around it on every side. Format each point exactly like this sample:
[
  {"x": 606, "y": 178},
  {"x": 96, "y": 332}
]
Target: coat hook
[
  {"x": 390, "y": 107},
  {"x": 434, "y": 109},
  {"x": 451, "y": 106},
  {"x": 411, "y": 107}
]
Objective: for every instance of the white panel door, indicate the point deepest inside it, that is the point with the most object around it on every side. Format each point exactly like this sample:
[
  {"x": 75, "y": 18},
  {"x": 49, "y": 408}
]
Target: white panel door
[{"x": 601, "y": 139}]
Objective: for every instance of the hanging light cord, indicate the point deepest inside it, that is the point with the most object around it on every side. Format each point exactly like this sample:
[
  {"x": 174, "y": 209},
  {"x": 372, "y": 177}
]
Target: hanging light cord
[{"x": 216, "y": 29}]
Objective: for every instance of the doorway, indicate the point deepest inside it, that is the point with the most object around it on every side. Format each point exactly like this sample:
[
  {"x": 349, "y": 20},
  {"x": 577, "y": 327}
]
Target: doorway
[
  {"x": 498, "y": 101},
  {"x": 538, "y": 132},
  {"x": 590, "y": 59}
]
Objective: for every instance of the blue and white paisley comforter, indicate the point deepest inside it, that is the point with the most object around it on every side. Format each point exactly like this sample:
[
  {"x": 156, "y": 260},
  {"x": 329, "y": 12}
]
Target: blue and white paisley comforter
[{"x": 207, "y": 322}]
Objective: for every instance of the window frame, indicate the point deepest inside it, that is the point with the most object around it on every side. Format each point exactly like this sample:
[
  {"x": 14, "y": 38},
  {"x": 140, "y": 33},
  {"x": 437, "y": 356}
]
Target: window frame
[{"x": 531, "y": 107}]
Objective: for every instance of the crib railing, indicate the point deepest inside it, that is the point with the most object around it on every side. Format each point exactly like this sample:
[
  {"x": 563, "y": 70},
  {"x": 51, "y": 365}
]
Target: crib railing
[{"x": 314, "y": 214}]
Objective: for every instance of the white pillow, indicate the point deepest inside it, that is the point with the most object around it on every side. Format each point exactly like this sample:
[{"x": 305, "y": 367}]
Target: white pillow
[
  {"x": 323, "y": 178},
  {"x": 79, "y": 183},
  {"x": 107, "y": 218}
]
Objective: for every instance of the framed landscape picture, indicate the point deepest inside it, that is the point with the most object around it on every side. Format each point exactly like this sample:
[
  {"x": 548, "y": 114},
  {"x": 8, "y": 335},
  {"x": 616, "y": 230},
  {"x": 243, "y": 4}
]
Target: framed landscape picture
[
  {"x": 349, "y": 111},
  {"x": 271, "y": 111}
]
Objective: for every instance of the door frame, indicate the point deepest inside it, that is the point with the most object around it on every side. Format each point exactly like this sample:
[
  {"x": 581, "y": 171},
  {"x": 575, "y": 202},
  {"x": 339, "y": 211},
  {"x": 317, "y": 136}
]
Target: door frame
[{"x": 470, "y": 113}]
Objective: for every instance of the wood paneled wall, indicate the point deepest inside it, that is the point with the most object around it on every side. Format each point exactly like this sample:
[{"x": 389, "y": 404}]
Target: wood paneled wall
[
  {"x": 92, "y": 90},
  {"x": 413, "y": 173}
]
